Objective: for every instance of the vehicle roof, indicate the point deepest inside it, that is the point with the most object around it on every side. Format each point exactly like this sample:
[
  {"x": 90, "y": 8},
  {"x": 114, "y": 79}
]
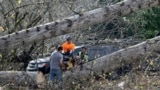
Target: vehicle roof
[
  {"x": 38, "y": 60},
  {"x": 79, "y": 46}
]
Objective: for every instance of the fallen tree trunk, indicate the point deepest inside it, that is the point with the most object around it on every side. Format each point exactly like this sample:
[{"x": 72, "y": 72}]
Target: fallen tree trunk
[
  {"x": 104, "y": 64},
  {"x": 117, "y": 59},
  {"x": 18, "y": 78},
  {"x": 77, "y": 22}
]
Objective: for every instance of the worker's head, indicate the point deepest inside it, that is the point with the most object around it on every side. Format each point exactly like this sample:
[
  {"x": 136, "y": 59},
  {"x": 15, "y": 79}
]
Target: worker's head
[
  {"x": 84, "y": 49},
  {"x": 59, "y": 48},
  {"x": 69, "y": 39}
]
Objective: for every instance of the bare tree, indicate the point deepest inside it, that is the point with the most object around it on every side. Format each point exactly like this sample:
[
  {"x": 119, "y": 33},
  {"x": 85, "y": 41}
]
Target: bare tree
[{"x": 73, "y": 23}]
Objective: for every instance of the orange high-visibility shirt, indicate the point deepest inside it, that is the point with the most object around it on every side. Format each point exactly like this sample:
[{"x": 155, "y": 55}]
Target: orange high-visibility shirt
[{"x": 68, "y": 46}]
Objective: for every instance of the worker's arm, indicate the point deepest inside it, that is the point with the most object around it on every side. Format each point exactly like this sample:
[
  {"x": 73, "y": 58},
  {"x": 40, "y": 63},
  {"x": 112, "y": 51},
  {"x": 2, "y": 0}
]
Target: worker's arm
[
  {"x": 72, "y": 47},
  {"x": 78, "y": 56},
  {"x": 64, "y": 47},
  {"x": 86, "y": 58},
  {"x": 61, "y": 61},
  {"x": 50, "y": 57}
]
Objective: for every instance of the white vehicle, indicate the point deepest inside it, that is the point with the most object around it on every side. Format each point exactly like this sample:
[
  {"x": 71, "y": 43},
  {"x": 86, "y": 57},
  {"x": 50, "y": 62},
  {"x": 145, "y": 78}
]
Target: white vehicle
[{"x": 39, "y": 63}]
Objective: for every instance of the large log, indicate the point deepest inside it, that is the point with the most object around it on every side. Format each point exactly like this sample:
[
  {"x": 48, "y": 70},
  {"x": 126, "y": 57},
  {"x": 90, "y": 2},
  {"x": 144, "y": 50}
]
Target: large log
[
  {"x": 18, "y": 78},
  {"x": 117, "y": 59},
  {"x": 76, "y": 22}
]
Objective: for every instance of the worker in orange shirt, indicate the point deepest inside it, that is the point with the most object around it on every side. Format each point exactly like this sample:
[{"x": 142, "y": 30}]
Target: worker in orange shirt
[
  {"x": 68, "y": 48},
  {"x": 68, "y": 45}
]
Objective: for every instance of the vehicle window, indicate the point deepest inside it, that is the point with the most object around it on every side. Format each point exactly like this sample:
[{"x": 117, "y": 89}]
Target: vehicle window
[
  {"x": 99, "y": 51},
  {"x": 47, "y": 55},
  {"x": 40, "y": 56},
  {"x": 96, "y": 52},
  {"x": 76, "y": 51}
]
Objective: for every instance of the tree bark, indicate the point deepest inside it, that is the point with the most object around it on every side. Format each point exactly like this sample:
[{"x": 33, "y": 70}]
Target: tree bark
[{"x": 76, "y": 22}]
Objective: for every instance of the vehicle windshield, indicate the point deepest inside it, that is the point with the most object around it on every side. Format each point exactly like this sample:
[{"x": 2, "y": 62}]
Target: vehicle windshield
[
  {"x": 76, "y": 51},
  {"x": 44, "y": 55}
]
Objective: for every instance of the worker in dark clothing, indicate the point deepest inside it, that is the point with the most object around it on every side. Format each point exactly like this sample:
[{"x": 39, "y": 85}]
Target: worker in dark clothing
[{"x": 82, "y": 57}]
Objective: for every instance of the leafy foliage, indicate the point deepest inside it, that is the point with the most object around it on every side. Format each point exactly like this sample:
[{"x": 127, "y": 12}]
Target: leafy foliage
[{"x": 146, "y": 23}]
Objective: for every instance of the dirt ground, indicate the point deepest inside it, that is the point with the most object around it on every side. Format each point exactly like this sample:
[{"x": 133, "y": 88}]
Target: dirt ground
[{"x": 134, "y": 80}]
